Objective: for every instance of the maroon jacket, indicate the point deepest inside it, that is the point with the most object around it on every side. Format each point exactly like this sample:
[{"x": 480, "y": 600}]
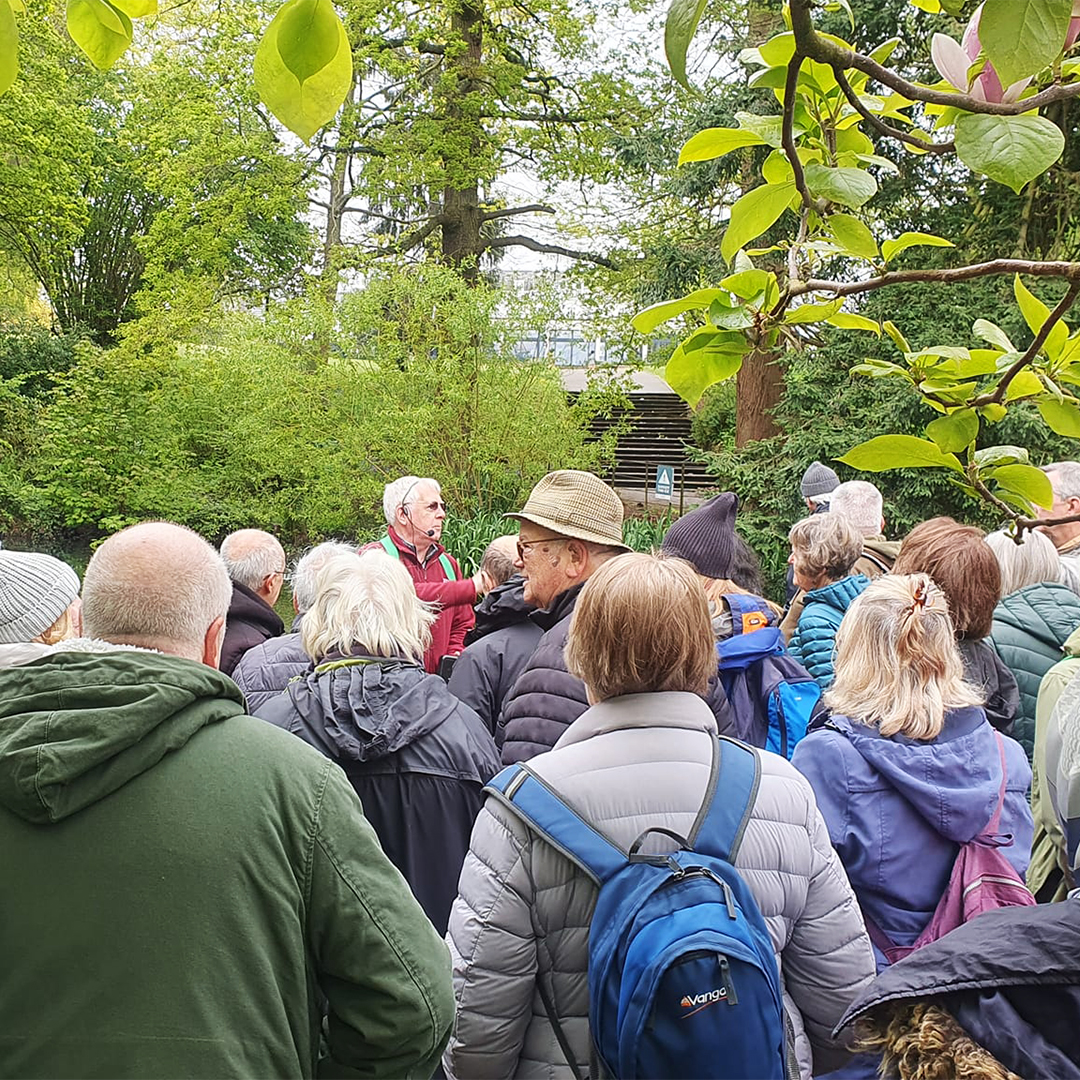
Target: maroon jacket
[{"x": 455, "y": 598}]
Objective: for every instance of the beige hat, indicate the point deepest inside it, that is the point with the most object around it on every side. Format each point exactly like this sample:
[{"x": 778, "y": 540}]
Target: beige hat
[{"x": 578, "y": 504}]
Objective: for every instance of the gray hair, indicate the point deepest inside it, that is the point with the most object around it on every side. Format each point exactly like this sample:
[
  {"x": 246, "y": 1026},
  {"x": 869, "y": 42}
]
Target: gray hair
[
  {"x": 1064, "y": 479},
  {"x": 367, "y": 600},
  {"x": 251, "y": 556},
  {"x": 1032, "y": 561},
  {"x": 498, "y": 559},
  {"x": 897, "y": 667},
  {"x": 396, "y": 494},
  {"x": 825, "y": 546},
  {"x": 307, "y": 568},
  {"x": 156, "y": 585},
  {"x": 861, "y": 503}
]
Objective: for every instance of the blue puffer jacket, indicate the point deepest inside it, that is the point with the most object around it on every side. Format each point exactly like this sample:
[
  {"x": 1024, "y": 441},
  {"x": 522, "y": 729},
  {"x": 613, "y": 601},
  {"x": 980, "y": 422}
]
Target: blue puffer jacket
[{"x": 814, "y": 639}]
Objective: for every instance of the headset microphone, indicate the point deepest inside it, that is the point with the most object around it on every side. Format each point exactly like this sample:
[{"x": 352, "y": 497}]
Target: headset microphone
[{"x": 405, "y": 510}]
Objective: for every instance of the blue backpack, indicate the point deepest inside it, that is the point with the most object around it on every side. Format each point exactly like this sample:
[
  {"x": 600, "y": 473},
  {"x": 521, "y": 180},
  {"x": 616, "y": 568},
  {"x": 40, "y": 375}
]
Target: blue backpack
[
  {"x": 682, "y": 977},
  {"x": 774, "y": 699}
]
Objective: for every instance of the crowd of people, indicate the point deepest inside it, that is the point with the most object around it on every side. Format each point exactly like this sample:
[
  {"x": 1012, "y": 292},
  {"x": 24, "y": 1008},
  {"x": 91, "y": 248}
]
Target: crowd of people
[{"x": 237, "y": 849}]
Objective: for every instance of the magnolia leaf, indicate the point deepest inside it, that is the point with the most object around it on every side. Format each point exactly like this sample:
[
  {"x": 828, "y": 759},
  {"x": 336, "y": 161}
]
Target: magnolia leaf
[
  {"x": 812, "y": 313},
  {"x": 645, "y": 322},
  {"x": 899, "y": 452},
  {"x": 1025, "y": 384},
  {"x": 1009, "y": 149},
  {"x": 954, "y": 432},
  {"x": 891, "y": 248},
  {"x": 755, "y": 212},
  {"x": 696, "y": 364},
  {"x": 1021, "y": 37},
  {"x": 893, "y": 331},
  {"x": 846, "y": 320},
  {"x": 102, "y": 31},
  {"x": 981, "y": 362},
  {"x": 9, "y": 47},
  {"x": 990, "y": 456},
  {"x": 853, "y": 236},
  {"x": 725, "y": 317},
  {"x": 303, "y": 67},
  {"x": 714, "y": 143},
  {"x": 136, "y": 9},
  {"x": 993, "y": 412},
  {"x": 768, "y": 128},
  {"x": 749, "y": 283},
  {"x": 1026, "y": 481},
  {"x": 1035, "y": 314},
  {"x": 1061, "y": 417},
  {"x": 778, "y": 50},
  {"x": 848, "y": 187},
  {"x": 776, "y": 168},
  {"x": 993, "y": 334},
  {"x": 679, "y": 28}
]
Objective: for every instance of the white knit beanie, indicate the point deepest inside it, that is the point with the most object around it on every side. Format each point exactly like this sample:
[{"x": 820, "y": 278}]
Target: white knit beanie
[{"x": 35, "y": 590}]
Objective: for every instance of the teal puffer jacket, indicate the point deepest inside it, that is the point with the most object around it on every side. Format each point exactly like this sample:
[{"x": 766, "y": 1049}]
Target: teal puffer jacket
[
  {"x": 814, "y": 639},
  {"x": 1030, "y": 627}
]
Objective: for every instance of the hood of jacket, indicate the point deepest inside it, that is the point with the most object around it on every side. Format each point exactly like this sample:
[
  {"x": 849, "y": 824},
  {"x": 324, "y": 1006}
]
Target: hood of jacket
[
  {"x": 247, "y": 606},
  {"x": 983, "y": 668},
  {"x": 75, "y": 726},
  {"x": 503, "y": 606},
  {"x": 22, "y": 652},
  {"x": 838, "y": 594},
  {"x": 368, "y": 707},
  {"x": 1048, "y": 612},
  {"x": 885, "y": 550},
  {"x": 952, "y": 781}
]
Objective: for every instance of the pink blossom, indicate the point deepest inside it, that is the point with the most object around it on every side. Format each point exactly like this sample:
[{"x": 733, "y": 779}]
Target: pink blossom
[{"x": 953, "y": 60}]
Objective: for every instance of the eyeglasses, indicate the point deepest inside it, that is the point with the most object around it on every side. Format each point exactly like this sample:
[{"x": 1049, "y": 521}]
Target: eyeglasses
[
  {"x": 524, "y": 546},
  {"x": 431, "y": 507}
]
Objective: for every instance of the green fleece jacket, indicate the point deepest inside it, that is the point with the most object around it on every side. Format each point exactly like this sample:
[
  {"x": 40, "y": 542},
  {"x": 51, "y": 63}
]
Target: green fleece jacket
[{"x": 184, "y": 886}]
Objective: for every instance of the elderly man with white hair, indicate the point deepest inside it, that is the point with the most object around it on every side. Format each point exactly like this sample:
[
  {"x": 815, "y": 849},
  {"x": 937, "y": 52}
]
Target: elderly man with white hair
[
  {"x": 1064, "y": 477},
  {"x": 255, "y": 561},
  {"x": 415, "y": 512},
  {"x": 188, "y": 891},
  {"x": 265, "y": 670}
]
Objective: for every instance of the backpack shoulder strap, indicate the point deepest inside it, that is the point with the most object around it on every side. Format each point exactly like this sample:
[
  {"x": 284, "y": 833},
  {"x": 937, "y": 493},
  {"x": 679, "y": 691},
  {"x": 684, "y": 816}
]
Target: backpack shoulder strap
[
  {"x": 748, "y": 613},
  {"x": 447, "y": 565},
  {"x": 519, "y": 789},
  {"x": 729, "y": 799},
  {"x": 389, "y": 547}
]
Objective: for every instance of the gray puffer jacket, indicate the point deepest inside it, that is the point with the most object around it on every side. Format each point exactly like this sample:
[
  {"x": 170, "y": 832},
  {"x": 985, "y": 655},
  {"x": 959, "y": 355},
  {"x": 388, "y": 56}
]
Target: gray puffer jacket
[{"x": 523, "y": 909}]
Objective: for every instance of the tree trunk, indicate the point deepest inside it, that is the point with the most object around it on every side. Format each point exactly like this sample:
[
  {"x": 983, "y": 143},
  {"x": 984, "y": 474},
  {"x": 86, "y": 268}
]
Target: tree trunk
[
  {"x": 339, "y": 197},
  {"x": 464, "y": 139},
  {"x": 758, "y": 389}
]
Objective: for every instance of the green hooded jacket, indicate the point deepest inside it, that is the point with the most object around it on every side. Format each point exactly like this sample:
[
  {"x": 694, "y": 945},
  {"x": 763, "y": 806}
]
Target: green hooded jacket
[{"x": 184, "y": 887}]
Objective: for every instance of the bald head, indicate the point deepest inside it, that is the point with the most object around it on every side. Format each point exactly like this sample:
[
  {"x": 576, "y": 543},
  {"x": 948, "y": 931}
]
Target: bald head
[
  {"x": 159, "y": 586},
  {"x": 256, "y": 560},
  {"x": 498, "y": 559}
]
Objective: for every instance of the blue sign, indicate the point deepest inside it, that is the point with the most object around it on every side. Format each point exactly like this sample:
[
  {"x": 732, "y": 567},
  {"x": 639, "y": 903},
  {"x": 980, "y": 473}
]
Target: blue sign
[{"x": 665, "y": 481}]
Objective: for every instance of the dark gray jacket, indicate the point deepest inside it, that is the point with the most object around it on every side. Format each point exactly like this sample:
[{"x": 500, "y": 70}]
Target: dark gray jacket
[
  {"x": 251, "y": 620},
  {"x": 264, "y": 671},
  {"x": 496, "y": 651},
  {"x": 984, "y": 668},
  {"x": 416, "y": 756}
]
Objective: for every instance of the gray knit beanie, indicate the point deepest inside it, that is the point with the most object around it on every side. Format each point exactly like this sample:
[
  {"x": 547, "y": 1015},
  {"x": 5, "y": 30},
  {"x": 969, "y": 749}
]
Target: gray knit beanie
[
  {"x": 705, "y": 537},
  {"x": 818, "y": 480},
  {"x": 35, "y": 590}
]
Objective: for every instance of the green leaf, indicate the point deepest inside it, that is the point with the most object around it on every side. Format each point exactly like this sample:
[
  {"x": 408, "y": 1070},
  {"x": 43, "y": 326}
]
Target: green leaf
[
  {"x": 954, "y": 432},
  {"x": 899, "y": 452},
  {"x": 991, "y": 456},
  {"x": 848, "y": 187},
  {"x": 891, "y": 248},
  {"x": 993, "y": 412},
  {"x": 679, "y": 28},
  {"x": 1035, "y": 314},
  {"x": 9, "y": 47},
  {"x": 1009, "y": 149},
  {"x": 100, "y": 30},
  {"x": 1026, "y": 481},
  {"x": 1026, "y": 384},
  {"x": 812, "y": 313},
  {"x": 755, "y": 212},
  {"x": 696, "y": 364},
  {"x": 768, "y": 128},
  {"x": 725, "y": 317},
  {"x": 853, "y": 236},
  {"x": 778, "y": 50},
  {"x": 716, "y": 142},
  {"x": 645, "y": 322},
  {"x": 993, "y": 334},
  {"x": 749, "y": 283},
  {"x": 137, "y": 9},
  {"x": 846, "y": 320},
  {"x": 893, "y": 331},
  {"x": 303, "y": 67},
  {"x": 1061, "y": 417},
  {"x": 1021, "y": 37}
]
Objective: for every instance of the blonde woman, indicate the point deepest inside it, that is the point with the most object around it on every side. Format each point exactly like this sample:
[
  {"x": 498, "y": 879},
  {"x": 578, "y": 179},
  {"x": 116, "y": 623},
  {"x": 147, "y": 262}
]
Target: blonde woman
[
  {"x": 908, "y": 767},
  {"x": 417, "y": 757}
]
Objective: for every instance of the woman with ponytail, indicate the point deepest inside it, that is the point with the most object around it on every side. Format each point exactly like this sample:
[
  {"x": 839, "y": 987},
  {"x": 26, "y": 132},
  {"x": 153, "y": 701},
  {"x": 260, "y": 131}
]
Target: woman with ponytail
[{"x": 908, "y": 768}]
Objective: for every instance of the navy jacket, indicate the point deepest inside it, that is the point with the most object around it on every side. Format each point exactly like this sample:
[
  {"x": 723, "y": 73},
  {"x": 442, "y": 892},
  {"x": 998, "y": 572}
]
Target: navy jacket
[
  {"x": 416, "y": 756},
  {"x": 264, "y": 671}
]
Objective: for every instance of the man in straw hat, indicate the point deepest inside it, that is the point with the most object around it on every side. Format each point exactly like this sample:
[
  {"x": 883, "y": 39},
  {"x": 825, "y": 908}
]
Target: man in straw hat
[{"x": 570, "y": 526}]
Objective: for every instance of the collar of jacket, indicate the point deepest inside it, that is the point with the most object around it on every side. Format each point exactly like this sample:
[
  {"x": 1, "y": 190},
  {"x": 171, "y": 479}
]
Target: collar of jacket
[
  {"x": 405, "y": 548},
  {"x": 561, "y": 606},
  {"x": 670, "y": 709}
]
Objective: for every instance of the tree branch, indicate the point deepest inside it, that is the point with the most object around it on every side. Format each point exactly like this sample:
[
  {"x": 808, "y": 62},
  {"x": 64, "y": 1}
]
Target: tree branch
[
  {"x": 880, "y": 126},
  {"x": 549, "y": 249},
  {"x": 534, "y": 208},
  {"x": 1070, "y": 271},
  {"x": 417, "y": 236},
  {"x": 787, "y": 136},
  {"x": 811, "y": 44}
]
